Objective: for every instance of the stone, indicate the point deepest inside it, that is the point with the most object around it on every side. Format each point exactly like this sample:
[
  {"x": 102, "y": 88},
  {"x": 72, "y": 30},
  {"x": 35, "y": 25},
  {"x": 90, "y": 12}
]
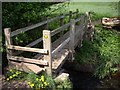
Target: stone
[{"x": 62, "y": 77}]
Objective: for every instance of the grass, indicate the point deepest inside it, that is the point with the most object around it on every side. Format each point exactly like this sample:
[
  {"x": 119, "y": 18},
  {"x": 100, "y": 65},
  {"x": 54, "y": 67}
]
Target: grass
[{"x": 102, "y": 8}]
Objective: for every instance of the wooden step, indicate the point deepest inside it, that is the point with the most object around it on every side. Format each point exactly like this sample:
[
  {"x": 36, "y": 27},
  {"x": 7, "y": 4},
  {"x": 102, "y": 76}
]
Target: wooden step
[
  {"x": 59, "y": 60},
  {"x": 34, "y": 68},
  {"x": 26, "y": 67}
]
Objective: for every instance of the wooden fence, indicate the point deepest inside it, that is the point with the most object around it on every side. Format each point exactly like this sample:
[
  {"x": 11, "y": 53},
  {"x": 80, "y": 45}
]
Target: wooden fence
[{"x": 74, "y": 36}]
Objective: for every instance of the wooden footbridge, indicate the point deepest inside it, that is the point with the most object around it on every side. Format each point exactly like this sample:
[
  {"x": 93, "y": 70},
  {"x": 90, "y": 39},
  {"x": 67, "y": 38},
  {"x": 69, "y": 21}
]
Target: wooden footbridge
[{"x": 53, "y": 55}]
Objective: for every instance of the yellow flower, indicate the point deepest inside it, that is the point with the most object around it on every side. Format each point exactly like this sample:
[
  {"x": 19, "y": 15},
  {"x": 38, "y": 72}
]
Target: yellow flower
[
  {"x": 10, "y": 77},
  {"x": 17, "y": 72},
  {"x": 42, "y": 78},
  {"x": 7, "y": 79},
  {"x": 37, "y": 79},
  {"x": 11, "y": 70},
  {"x": 31, "y": 85},
  {"x": 20, "y": 72},
  {"x": 14, "y": 75},
  {"x": 45, "y": 83}
]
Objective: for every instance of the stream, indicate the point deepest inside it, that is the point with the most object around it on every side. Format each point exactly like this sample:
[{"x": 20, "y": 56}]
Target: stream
[{"x": 85, "y": 80}]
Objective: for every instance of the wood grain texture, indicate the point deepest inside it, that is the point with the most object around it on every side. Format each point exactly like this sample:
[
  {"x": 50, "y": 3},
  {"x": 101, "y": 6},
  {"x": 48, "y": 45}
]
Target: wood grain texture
[
  {"x": 28, "y": 60},
  {"x": 47, "y": 45},
  {"x": 37, "y": 50}
]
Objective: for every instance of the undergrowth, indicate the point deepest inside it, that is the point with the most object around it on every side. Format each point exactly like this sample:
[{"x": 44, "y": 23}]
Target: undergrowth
[
  {"x": 40, "y": 81},
  {"x": 104, "y": 51}
]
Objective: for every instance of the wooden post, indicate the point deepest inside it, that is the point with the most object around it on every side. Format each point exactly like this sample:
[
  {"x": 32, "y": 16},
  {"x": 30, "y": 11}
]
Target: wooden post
[
  {"x": 82, "y": 31},
  {"x": 88, "y": 26},
  {"x": 8, "y": 41},
  {"x": 61, "y": 23},
  {"x": 47, "y": 45},
  {"x": 70, "y": 17},
  {"x": 77, "y": 15},
  {"x": 72, "y": 37},
  {"x": 46, "y": 25}
]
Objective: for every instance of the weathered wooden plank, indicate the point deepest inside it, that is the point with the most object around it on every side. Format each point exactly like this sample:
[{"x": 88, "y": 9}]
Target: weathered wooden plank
[
  {"x": 18, "y": 31},
  {"x": 60, "y": 46},
  {"x": 46, "y": 25},
  {"x": 47, "y": 45},
  {"x": 32, "y": 26},
  {"x": 28, "y": 60},
  {"x": 55, "y": 31},
  {"x": 43, "y": 51},
  {"x": 79, "y": 19},
  {"x": 72, "y": 37},
  {"x": 78, "y": 29},
  {"x": 57, "y": 42},
  {"x": 36, "y": 69},
  {"x": 34, "y": 42},
  {"x": 29, "y": 45},
  {"x": 8, "y": 41},
  {"x": 60, "y": 59},
  {"x": 26, "y": 67},
  {"x": 19, "y": 66}
]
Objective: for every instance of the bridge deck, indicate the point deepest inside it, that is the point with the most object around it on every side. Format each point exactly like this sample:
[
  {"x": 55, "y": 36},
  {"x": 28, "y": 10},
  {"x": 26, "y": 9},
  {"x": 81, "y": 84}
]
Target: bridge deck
[{"x": 59, "y": 58}]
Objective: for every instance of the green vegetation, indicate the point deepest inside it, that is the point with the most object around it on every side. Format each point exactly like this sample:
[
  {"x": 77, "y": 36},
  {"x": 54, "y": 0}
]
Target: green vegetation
[
  {"x": 41, "y": 81},
  {"x": 101, "y": 8},
  {"x": 104, "y": 51}
]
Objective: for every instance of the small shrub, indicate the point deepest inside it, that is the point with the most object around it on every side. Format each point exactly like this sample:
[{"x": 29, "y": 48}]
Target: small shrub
[
  {"x": 14, "y": 74},
  {"x": 63, "y": 85},
  {"x": 106, "y": 47},
  {"x": 40, "y": 82}
]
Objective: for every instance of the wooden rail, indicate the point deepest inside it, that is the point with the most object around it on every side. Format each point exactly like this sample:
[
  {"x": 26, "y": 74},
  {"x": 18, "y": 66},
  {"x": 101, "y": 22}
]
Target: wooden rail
[
  {"x": 62, "y": 48},
  {"x": 42, "y": 51}
]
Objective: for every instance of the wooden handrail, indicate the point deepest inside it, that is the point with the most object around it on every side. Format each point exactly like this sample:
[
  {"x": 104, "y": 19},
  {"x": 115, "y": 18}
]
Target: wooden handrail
[
  {"x": 79, "y": 19},
  {"x": 18, "y": 31},
  {"x": 34, "y": 42},
  {"x": 61, "y": 46},
  {"x": 57, "y": 30},
  {"x": 29, "y": 45},
  {"x": 35, "y": 61},
  {"x": 43, "y": 51}
]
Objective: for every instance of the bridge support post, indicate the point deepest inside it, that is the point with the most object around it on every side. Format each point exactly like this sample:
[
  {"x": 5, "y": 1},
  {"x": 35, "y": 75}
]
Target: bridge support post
[
  {"x": 47, "y": 45},
  {"x": 77, "y": 15},
  {"x": 8, "y": 41},
  {"x": 72, "y": 38},
  {"x": 89, "y": 27},
  {"x": 70, "y": 17}
]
